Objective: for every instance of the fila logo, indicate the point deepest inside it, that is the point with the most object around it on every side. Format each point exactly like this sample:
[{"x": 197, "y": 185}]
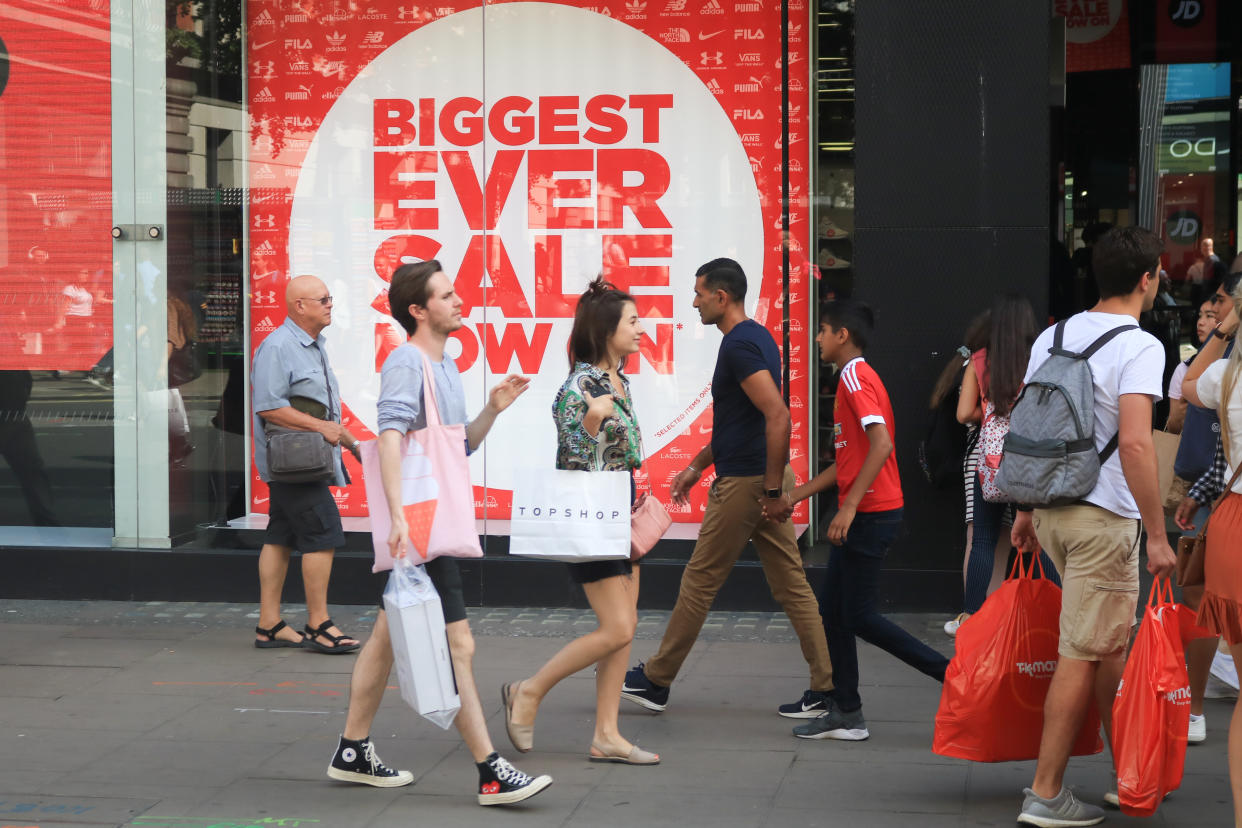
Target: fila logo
[
  {"x": 711, "y": 59},
  {"x": 748, "y": 34},
  {"x": 265, "y": 222},
  {"x": 336, "y": 41},
  {"x": 265, "y": 69},
  {"x": 752, "y": 85},
  {"x": 303, "y": 93},
  {"x": 264, "y": 95},
  {"x": 264, "y": 19},
  {"x": 675, "y": 36},
  {"x": 748, "y": 114},
  {"x": 714, "y": 87},
  {"x": 373, "y": 39},
  {"x": 750, "y": 59},
  {"x": 265, "y": 297},
  {"x": 297, "y": 43},
  {"x": 265, "y": 325}
]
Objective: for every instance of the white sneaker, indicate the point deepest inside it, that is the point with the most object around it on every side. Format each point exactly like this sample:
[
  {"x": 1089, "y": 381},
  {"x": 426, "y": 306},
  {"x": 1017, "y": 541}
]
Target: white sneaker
[
  {"x": 829, "y": 262},
  {"x": 1197, "y": 731},
  {"x": 828, "y": 229},
  {"x": 950, "y": 627}
]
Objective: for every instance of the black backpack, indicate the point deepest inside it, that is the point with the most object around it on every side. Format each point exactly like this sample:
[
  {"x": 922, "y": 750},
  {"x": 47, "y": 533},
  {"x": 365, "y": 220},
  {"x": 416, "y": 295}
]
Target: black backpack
[{"x": 943, "y": 448}]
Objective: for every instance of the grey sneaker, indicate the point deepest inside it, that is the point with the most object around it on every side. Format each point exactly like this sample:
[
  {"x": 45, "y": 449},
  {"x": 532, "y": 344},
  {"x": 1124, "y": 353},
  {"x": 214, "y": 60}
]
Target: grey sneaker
[
  {"x": 834, "y": 723},
  {"x": 1062, "y": 811}
]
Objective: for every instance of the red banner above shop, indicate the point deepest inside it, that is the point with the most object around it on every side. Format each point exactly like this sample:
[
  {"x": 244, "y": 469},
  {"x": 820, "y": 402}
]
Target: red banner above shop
[{"x": 1097, "y": 34}]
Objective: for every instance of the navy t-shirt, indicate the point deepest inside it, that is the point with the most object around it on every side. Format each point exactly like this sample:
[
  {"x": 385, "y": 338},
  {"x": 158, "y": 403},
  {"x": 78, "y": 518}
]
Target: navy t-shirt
[{"x": 739, "y": 440}]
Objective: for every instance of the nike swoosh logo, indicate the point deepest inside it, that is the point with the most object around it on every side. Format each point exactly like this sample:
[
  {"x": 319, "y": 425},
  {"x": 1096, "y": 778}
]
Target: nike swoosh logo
[
  {"x": 261, "y": 45},
  {"x": 806, "y": 707},
  {"x": 710, "y": 36},
  {"x": 625, "y": 688},
  {"x": 259, "y": 500}
]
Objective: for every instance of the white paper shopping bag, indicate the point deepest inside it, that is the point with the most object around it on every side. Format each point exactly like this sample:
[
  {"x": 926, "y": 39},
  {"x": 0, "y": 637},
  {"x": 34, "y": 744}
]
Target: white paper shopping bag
[
  {"x": 420, "y": 645},
  {"x": 571, "y": 516}
]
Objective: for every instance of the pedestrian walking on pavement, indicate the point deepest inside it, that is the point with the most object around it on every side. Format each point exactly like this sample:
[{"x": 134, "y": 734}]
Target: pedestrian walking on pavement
[
  {"x": 750, "y": 449},
  {"x": 597, "y": 430},
  {"x": 422, "y": 299},
  {"x": 294, "y": 388}
]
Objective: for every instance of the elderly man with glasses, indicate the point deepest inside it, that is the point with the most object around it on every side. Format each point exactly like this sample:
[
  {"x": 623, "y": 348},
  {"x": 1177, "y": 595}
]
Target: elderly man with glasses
[{"x": 294, "y": 388}]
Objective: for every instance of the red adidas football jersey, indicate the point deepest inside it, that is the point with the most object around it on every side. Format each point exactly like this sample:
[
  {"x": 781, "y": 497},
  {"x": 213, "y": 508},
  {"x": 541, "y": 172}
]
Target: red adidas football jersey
[{"x": 861, "y": 401}]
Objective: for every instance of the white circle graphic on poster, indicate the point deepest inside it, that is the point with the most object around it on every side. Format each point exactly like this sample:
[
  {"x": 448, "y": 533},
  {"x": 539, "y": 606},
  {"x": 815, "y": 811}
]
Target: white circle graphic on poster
[
  {"x": 518, "y": 165},
  {"x": 1087, "y": 21}
]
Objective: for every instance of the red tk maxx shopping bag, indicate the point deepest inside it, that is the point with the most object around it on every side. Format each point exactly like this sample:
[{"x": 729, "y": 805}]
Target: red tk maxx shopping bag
[
  {"x": 1152, "y": 709},
  {"x": 992, "y": 704}
]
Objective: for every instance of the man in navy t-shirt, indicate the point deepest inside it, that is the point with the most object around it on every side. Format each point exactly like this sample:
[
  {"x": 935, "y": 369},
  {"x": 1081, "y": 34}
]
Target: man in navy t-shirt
[{"x": 750, "y": 449}]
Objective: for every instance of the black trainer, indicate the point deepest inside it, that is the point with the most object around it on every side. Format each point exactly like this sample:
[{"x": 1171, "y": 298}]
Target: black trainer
[
  {"x": 356, "y": 761},
  {"x": 642, "y": 691},
  {"x": 502, "y": 784},
  {"x": 812, "y": 703}
]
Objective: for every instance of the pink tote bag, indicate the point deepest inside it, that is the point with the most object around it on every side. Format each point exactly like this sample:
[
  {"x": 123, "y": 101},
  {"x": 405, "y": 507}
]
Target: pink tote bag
[{"x": 436, "y": 493}]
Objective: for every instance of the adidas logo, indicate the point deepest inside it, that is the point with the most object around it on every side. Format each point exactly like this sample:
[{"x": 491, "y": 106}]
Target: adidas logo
[
  {"x": 264, "y": 19},
  {"x": 714, "y": 87},
  {"x": 265, "y": 249},
  {"x": 335, "y": 41},
  {"x": 265, "y": 96},
  {"x": 711, "y": 7},
  {"x": 265, "y": 325},
  {"x": 264, "y": 171},
  {"x": 635, "y": 6}
]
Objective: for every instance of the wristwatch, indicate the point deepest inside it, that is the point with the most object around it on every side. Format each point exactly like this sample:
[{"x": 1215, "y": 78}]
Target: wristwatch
[
  {"x": 772, "y": 494},
  {"x": 1219, "y": 334}
]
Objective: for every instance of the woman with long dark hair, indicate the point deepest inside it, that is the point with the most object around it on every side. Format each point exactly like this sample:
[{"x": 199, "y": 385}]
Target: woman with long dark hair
[
  {"x": 990, "y": 387},
  {"x": 597, "y": 430}
]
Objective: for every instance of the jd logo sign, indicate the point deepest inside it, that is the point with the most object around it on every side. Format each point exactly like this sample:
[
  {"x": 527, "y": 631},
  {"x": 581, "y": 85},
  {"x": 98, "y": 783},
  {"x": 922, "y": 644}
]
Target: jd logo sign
[
  {"x": 1186, "y": 13},
  {"x": 1183, "y": 227}
]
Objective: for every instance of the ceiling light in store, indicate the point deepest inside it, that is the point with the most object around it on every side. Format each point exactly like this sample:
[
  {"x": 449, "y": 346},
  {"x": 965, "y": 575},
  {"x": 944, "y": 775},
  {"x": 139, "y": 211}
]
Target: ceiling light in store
[{"x": 1083, "y": 194}]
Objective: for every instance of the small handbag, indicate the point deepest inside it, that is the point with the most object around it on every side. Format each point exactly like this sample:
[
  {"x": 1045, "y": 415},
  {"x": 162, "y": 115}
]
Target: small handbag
[
  {"x": 295, "y": 456},
  {"x": 1191, "y": 552},
  {"x": 649, "y": 520}
]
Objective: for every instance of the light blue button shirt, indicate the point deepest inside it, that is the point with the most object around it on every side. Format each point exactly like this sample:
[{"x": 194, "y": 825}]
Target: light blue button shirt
[
  {"x": 400, "y": 404},
  {"x": 289, "y": 363}
]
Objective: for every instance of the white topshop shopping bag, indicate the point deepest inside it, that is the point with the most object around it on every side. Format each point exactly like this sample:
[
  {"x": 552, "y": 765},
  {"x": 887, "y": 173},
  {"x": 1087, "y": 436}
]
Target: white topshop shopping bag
[
  {"x": 420, "y": 644},
  {"x": 571, "y": 516}
]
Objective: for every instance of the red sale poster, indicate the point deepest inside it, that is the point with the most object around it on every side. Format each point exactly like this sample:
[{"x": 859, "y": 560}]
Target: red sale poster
[
  {"x": 55, "y": 185},
  {"x": 529, "y": 147}
]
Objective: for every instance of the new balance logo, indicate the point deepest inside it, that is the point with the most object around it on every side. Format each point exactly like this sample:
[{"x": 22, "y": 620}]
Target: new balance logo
[
  {"x": 675, "y": 7},
  {"x": 373, "y": 39}
]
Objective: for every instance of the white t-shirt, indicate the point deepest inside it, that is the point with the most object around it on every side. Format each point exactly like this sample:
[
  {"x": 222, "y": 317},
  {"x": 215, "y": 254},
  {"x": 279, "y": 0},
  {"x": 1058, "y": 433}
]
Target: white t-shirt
[
  {"x": 1131, "y": 363},
  {"x": 1175, "y": 381},
  {"x": 1209, "y": 387}
]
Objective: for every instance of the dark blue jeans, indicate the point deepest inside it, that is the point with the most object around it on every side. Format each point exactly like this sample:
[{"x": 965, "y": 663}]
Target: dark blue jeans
[
  {"x": 988, "y": 519},
  {"x": 848, "y": 604}
]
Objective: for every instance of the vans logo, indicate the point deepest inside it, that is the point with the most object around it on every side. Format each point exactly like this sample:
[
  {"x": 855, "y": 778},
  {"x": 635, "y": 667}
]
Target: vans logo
[
  {"x": 750, "y": 59},
  {"x": 1036, "y": 669}
]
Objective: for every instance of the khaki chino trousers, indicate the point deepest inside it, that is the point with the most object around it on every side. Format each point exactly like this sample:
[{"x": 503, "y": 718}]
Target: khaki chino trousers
[{"x": 733, "y": 517}]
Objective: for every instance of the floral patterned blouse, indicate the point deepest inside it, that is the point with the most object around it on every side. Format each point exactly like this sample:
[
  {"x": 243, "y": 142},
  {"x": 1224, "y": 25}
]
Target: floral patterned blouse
[{"x": 619, "y": 444}]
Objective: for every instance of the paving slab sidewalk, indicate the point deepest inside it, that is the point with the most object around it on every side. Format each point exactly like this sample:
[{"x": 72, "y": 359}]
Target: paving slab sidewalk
[{"x": 164, "y": 715}]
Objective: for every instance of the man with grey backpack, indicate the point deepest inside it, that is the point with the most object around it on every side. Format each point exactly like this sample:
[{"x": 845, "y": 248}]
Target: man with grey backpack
[{"x": 1080, "y": 461}]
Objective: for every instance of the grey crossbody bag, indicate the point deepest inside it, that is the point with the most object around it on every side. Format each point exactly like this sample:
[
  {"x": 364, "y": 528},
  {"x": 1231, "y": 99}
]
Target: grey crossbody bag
[{"x": 301, "y": 456}]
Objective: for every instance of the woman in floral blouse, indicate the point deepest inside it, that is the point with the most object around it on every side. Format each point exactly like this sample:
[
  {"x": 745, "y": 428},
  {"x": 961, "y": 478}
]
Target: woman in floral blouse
[{"x": 596, "y": 431}]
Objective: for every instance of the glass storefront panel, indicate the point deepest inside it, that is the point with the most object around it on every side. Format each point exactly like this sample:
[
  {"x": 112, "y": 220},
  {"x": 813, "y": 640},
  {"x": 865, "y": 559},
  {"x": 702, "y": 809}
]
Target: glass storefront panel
[{"x": 224, "y": 147}]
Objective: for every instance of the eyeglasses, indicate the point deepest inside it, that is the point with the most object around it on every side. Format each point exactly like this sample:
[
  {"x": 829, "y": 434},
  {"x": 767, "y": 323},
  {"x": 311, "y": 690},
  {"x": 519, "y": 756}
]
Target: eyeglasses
[{"x": 326, "y": 301}]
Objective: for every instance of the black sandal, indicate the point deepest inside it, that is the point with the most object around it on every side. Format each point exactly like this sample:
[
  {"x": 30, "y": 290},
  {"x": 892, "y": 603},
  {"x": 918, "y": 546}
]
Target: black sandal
[
  {"x": 322, "y": 630},
  {"x": 274, "y": 642}
]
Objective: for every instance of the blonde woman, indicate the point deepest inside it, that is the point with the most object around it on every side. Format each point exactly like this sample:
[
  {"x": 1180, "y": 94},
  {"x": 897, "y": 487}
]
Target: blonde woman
[{"x": 1213, "y": 382}]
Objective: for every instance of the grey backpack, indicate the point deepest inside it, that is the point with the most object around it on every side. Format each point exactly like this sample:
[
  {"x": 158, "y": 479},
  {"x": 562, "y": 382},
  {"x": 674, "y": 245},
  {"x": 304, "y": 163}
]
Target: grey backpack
[{"x": 1050, "y": 457}]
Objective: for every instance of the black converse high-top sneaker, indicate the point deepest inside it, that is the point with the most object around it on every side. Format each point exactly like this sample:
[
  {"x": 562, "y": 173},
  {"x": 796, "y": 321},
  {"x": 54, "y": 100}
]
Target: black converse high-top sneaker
[
  {"x": 502, "y": 784},
  {"x": 356, "y": 761}
]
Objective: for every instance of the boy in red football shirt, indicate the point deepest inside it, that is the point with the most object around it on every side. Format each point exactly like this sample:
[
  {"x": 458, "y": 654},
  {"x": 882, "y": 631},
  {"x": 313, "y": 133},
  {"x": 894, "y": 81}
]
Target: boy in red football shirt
[{"x": 869, "y": 492}]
